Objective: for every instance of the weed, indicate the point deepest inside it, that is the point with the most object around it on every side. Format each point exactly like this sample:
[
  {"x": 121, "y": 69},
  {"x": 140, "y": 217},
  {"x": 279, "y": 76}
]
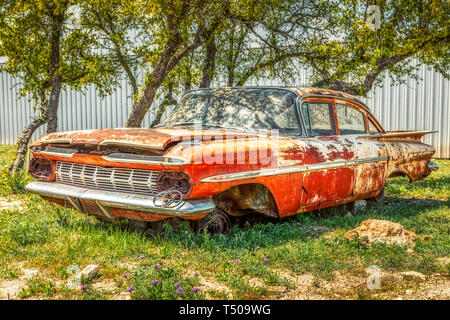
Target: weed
[{"x": 38, "y": 288}]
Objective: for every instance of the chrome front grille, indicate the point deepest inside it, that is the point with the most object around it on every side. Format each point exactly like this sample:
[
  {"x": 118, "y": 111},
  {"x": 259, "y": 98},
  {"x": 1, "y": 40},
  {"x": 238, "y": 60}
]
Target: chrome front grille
[{"x": 107, "y": 178}]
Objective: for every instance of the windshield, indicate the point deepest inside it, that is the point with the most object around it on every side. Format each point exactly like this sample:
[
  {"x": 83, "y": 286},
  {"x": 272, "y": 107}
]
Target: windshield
[{"x": 246, "y": 108}]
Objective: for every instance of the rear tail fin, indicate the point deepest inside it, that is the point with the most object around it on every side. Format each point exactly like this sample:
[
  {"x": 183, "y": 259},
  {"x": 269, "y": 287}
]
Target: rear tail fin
[{"x": 397, "y": 135}]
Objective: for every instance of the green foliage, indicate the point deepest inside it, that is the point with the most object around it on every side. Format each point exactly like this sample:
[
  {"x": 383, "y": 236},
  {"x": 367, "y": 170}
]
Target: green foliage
[
  {"x": 14, "y": 183},
  {"x": 28, "y": 35},
  {"x": 9, "y": 273},
  {"x": 358, "y": 55},
  {"x": 29, "y": 232},
  {"x": 38, "y": 288}
]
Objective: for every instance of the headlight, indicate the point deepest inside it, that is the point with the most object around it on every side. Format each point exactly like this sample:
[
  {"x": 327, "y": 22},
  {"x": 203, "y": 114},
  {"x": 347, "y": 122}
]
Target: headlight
[
  {"x": 174, "y": 180},
  {"x": 42, "y": 169}
]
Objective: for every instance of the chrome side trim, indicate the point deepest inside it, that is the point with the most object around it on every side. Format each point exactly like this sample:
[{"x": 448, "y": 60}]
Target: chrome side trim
[
  {"x": 55, "y": 151},
  {"x": 129, "y": 144},
  {"x": 293, "y": 169},
  {"x": 374, "y": 159},
  {"x": 108, "y": 199},
  {"x": 159, "y": 160},
  {"x": 56, "y": 154}
]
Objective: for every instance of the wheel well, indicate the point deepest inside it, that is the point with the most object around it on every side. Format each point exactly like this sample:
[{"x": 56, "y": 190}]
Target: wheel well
[
  {"x": 246, "y": 198},
  {"x": 399, "y": 173}
]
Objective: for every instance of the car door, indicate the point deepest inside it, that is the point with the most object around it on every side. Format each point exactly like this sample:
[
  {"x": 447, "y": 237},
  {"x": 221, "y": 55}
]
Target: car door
[
  {"x": 327, "y": 178},
  {"x": 370, "y": 166}
]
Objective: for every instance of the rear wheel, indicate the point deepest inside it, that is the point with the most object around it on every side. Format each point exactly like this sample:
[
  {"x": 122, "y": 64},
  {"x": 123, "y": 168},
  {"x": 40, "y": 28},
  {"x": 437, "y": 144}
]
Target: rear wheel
[{"x": 217, "y": 222}]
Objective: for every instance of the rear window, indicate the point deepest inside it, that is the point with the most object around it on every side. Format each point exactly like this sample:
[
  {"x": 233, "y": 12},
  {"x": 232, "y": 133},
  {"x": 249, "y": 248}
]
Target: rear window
[{"x": 350, "y": 120}]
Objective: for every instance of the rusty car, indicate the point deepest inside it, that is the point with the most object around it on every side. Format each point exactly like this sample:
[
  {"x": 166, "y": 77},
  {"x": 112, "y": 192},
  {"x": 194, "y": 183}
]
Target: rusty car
[{"x": 230, "y": 151}]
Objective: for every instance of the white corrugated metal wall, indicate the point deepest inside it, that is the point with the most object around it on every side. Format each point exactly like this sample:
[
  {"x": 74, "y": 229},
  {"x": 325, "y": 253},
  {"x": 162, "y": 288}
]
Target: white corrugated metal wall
[{"x": 422, "y": 105}]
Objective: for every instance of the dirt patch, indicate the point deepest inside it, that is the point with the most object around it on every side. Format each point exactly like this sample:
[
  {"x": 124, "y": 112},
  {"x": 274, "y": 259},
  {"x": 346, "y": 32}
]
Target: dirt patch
[
  {"x": 389, "y": 232},
  {"x": 393, "y": 285},
  {"x": 211, "y": 285},
  {"x": 9, "y": 204},
  {"x": 10, "y": 289}
]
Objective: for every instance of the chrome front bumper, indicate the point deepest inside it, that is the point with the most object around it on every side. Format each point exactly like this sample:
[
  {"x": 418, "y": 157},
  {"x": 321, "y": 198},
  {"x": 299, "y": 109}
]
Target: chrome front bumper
[{"x": 117, "y": 200}]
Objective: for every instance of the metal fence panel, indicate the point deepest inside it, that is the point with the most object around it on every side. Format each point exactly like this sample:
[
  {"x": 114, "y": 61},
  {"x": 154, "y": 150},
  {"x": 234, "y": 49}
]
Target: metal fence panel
[{"x": 415, "y": 105}]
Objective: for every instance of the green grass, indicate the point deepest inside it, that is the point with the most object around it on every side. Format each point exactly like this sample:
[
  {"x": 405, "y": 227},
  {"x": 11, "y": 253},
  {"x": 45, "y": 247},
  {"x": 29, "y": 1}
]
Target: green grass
[
  {"x": 55, "y": 238},
  {"x": 11, "y": 183}
]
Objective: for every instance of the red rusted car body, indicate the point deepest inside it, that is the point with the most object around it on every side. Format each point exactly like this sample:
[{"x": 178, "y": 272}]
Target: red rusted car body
[{"x": 328, "y": 150}]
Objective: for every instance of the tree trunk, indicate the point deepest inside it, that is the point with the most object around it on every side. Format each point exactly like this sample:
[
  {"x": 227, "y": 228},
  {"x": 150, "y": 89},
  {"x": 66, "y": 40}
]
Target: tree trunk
[
  {"x": 52, "y": 115},
  {"x": 24, "y": 139},
  {"x": 165, "y": 63},
  {"x": 168, "y": 101},
  {"x": 209, "y": 64}
]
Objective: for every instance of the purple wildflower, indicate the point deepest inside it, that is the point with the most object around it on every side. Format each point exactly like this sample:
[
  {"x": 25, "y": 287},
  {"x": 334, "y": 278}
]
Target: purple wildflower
[
  {"x": 180, "y": 290},
  {"x": 83, "y": 287},
  {"x": 197, "y": 274},
  {"x": 266, "y": 259},
  {"x": 130, "y": 288},
  {"x": 24, "y": 250},
  {"x": 177, "y": 285},
  {"x": 155, "y": 282},
  {"x": 157, "y": 267},
  {"x": 141, "y": 257},
  {"x": 194, "y": 289},
  {"x": 236, "y": 261},
  {"x": 125, "y": 275},
  {"x": 11, "y": 255}
]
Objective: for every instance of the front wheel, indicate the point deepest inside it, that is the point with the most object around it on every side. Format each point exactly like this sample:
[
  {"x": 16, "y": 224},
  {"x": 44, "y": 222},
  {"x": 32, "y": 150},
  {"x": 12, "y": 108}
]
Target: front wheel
[{"x": 217, "y": 222}]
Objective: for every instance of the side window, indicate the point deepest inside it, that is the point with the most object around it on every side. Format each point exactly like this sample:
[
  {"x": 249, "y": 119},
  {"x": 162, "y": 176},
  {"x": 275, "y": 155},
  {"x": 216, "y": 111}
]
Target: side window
[
  {"x": 372, "y": 127},
  {"x": 317, "y": 118},
  {"x": 350, "y": 120}
]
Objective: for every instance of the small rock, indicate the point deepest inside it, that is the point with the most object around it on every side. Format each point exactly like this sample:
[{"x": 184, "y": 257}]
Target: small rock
[
  {"x": 413, "y": 275},
  {"x": 409, "y": 292},
  {"x": 349, "y": 214},
  {"x": 89, "y": 272},
  {"x": 360, "y": 205},
  {"x": 382, "y": 231}
]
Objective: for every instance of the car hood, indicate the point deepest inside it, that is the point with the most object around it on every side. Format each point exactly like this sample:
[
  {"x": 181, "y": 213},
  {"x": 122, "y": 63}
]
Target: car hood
[{"x": 152, "y": 138}]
